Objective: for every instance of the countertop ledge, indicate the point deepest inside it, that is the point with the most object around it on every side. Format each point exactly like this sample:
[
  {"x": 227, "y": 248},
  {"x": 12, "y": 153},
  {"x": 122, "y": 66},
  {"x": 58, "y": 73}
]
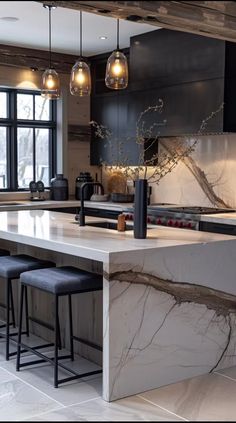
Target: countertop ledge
[
  {"x": 59, "y": 232},
  {"x": 222, "y": 218},
  {"x": 49, "y": 204}
]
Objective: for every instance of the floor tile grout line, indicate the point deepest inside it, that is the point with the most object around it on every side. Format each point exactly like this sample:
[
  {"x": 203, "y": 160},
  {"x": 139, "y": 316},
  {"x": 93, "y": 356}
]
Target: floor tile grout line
[
  {"x": 36, "y": 389},
  {"x": 227, "y": 377},
  {"x": 45, "y": 412},
  {"x": 83, "y": 402},
  {"x": 63, "y": 407},
  {"x": 159, "y": 406}
]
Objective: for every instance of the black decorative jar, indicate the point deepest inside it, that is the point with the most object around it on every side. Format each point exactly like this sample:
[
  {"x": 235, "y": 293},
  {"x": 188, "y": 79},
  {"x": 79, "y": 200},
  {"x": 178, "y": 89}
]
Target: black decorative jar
[
  {"x": 59, "y": 188},
  {"x": 80, "y": 180},
  {"x": 140, "y": 208}
]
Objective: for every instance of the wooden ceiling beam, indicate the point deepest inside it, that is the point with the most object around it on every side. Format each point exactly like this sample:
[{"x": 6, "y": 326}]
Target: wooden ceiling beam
[
  {"x": 216, "y": 19},
  {"x": 39, "y": 59}
]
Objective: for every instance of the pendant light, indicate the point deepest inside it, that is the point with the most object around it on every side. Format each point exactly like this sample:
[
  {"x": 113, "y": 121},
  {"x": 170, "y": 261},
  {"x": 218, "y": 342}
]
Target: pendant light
[
  {"x": 80, "y": 79},
  {"x": 117, "y": 68},
  {"x": 50, "y": 79}
]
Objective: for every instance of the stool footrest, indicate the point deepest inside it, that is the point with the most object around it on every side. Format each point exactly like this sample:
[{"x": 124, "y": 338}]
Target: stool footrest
[
  {"x": 3, "y": 335},
  {"x": 86, "y": 342},
  {"x": 3, "y": 326},
  {"x": 44, "y": 358},
  {"x": 11, "y": 354}
]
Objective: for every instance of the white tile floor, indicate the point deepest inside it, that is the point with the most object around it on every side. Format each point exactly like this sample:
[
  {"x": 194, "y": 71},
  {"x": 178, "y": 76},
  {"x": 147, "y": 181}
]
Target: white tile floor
[{"x": 28, "y": 395}]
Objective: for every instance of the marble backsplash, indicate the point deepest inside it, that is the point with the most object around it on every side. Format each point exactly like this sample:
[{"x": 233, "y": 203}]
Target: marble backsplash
[{"x": 206, "y": 178}]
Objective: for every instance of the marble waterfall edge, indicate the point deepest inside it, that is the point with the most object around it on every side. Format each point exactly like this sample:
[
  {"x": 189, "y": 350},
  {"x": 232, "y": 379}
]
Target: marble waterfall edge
[{"x": 168, "y": 315}]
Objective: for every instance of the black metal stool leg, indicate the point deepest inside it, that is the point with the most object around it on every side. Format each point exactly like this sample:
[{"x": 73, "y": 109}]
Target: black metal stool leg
[
  {"x": 12, "y": 306},
  {"x": 20, "y": 328},
  {"x": 8, "y": 290},
  {"x": 71, "y": 328},
  {"x": 59, "y": 332},
  {"x": 26, "y": 312},
  {"x": 56, "y": 344}
]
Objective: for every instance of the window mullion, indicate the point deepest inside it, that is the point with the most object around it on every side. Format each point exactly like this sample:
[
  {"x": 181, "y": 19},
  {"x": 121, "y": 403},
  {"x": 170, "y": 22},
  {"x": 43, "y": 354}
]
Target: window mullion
[
  {"x": 34, "y": 156},
  {"x": 13, "y": 141}
]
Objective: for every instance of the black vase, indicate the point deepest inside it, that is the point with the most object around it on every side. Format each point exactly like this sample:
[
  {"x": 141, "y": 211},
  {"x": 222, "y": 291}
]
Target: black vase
[{"x": 140, "y": 209}]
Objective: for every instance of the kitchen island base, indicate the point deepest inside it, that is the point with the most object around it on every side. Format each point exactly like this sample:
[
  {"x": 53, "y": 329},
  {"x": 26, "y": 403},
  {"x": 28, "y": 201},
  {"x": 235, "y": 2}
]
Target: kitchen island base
[
  {"x": 168, "y": 315},
  {"x": 168, "y": 302}
]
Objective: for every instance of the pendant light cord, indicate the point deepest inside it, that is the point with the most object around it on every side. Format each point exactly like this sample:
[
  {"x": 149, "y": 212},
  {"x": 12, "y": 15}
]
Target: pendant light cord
[
  {"x": 50, "y": 37},
  {"x": 80, "y": 33},
  {"x": 118, "y": 33}
]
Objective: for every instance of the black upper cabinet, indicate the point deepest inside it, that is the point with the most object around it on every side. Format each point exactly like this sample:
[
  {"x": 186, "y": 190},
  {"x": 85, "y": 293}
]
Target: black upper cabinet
[
  {"x": 104, "y": 111},
  {"x": 165, "y": 57},
  {"x": 192, "y": 74}
]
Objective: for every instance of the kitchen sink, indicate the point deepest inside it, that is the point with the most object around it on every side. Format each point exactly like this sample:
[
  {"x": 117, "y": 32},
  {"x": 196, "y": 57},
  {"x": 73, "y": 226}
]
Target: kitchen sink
[{"x": 108, "y": 225}]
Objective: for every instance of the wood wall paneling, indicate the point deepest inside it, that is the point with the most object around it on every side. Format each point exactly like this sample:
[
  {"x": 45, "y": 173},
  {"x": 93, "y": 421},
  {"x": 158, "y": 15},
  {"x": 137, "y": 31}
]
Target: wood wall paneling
[{"x": 38, "y": 59}]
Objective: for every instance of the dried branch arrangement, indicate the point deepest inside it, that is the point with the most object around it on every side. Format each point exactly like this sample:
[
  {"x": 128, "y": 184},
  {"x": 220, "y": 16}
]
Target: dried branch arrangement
[{"x": 163, "y": 160}]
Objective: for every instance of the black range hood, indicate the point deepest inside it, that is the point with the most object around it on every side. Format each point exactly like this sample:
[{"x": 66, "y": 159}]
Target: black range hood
[{"x": 193, "y": 75}]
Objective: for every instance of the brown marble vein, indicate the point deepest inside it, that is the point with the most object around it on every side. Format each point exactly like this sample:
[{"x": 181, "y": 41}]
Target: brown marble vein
[
  {"x": 199, "y": 175},
  {"x": 183, "y": 292}
]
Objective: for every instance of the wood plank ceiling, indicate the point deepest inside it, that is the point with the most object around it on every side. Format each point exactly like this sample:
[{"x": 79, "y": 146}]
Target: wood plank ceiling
[{"x": 215, "y": 19}]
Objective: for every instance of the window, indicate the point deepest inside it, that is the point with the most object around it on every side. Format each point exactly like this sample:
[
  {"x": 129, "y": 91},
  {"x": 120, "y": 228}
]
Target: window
[{"x": 27, "y": 139}]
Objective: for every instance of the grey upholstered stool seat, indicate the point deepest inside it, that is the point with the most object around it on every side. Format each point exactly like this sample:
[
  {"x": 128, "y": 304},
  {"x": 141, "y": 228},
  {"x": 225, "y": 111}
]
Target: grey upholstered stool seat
[
  {"x": 4, "y": 252},
  {"x": 62, "y": 280},
  {"x": 11, "y": 268},
  {"x": 58, "y": 282}
]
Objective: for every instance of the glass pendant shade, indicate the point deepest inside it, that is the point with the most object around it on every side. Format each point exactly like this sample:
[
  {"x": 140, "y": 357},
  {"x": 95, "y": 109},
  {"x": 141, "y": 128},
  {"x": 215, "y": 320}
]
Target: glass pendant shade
[
  {"x": 50, "y": 80},
  {"x": 50, "y": 84},
  {"x": 80, "y": 79},
  {"x": 117, "y": 71}
]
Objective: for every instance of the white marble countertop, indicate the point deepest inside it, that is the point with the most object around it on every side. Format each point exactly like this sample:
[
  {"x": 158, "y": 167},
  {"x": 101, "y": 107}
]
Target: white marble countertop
[
  {"x": 223, "y": 218},
  {"x": 49, "y": 204},
  {"x": 59, "y": 232}
]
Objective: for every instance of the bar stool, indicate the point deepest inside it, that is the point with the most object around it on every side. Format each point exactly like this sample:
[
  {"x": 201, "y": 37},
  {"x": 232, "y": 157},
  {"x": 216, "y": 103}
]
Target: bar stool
[
  {"x": 59, "y": 281},
  {"x": 11, "y": 268}
]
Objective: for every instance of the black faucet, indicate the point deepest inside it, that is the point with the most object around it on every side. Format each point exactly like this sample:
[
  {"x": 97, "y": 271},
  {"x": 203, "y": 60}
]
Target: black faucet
[{"x": 82, "y": 188}]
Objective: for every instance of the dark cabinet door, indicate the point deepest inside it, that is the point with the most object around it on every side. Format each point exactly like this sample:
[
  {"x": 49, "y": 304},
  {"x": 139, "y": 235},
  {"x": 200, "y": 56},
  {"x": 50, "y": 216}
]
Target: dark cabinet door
[
  {"x": 112, "y": 111},
  {"x": 164, "y": 57},
  {"x": 104, "y": 111},
  {"x": 128, "y": 149},
  {"x": 184, "y": 108}
]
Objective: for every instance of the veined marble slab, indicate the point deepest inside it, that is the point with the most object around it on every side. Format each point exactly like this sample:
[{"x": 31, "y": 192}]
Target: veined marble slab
[
  {"x": 168, "y": 315},
  {"x": 169, "y": 301}
]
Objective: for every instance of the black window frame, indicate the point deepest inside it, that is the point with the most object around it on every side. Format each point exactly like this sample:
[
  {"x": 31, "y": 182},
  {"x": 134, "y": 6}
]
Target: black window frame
[{"x": 12, "y": 124}]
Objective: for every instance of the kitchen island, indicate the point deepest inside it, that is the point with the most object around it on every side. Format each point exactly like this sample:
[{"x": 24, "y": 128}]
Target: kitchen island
[{"x": 169, "y": 301}]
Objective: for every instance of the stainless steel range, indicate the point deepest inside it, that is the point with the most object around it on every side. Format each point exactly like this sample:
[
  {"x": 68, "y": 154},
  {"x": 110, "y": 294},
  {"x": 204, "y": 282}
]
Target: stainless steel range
[{"x": 187, "y": 217}]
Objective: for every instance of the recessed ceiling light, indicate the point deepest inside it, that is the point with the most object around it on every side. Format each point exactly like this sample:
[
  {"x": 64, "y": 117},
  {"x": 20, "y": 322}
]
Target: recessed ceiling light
[
  {"x": 103, "y": 37},
  {"x": 9, "y": 19}
]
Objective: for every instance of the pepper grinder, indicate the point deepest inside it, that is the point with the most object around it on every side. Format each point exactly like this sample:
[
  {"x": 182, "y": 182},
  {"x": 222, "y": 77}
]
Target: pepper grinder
[{"x": 121, "y": 223}]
